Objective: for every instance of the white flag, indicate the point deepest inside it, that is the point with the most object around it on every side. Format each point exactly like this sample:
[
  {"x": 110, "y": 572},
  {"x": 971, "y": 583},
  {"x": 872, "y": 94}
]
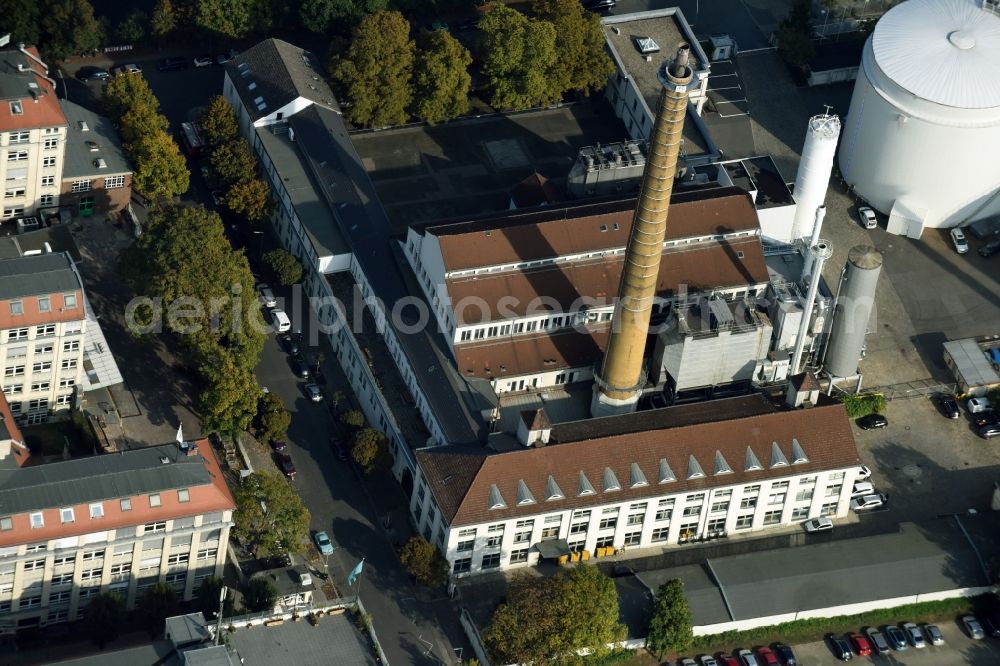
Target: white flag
[{"x": 180, "y": 433}]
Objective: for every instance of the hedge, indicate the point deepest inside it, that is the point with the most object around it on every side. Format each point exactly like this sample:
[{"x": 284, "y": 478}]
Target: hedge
[
  {"x": 863, "y": 404},
  {"x": 813, "y": 629}
]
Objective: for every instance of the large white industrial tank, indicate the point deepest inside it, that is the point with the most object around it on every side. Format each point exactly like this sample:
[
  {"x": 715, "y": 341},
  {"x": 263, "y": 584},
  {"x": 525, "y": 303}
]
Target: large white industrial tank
[
  {"x": 813, "y": 177},
  {"x": 920, "y": 139},
  {"x": 855, "y": 302}
]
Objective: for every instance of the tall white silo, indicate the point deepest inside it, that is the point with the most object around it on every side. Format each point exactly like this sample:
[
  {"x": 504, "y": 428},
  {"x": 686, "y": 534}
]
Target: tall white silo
[
  {"x": 815, "y": 167},
  {"x": 855, "y": 302},
  {"x": 921, "y": 133}
]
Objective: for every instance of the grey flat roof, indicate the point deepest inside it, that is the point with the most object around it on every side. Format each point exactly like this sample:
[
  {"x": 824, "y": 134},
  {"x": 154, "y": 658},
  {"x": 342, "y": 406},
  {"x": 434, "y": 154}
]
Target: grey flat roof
[
  {"x": 337, "y": 170},
  {"x": 217, "y": 655},
  {"x": 158, "y": 653},
  {"x": 36, "y": 275},
  {"x": 188, "y": 628},
  {"x": 285, "y": 580},
  {"x": 310, "y": 206},
  {"x": 917, "y": 560},
  {"x": 668, "y": 28},
  {"x": 99, "y": 478},
  {"x": 971, "y": 362},
  {"x": 58, "y": 238},
  {"x": 334, "y": 641},
  {"x": 80, "y": 158},
  {"x": 14, "y": 82}
]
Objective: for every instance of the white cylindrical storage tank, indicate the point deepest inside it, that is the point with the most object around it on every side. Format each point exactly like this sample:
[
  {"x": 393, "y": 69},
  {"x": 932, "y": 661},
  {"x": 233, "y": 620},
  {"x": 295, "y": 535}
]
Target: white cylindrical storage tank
[
  {"x": 815, "y": 167},
  {"x": 855, "y": 302},
  {"x": 924, "y": 120}
]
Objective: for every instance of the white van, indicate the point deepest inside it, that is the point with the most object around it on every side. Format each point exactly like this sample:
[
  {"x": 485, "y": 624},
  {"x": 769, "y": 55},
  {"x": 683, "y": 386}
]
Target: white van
[{"x": 280, "y": 320}]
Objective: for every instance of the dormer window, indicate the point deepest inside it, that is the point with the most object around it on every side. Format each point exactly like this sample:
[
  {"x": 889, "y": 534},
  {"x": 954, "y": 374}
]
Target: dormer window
[{"x": 15, "y": 108}]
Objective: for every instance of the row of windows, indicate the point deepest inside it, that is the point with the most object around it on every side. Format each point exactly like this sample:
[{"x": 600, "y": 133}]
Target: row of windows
[
  {"x": 110, "y": 183},
  {"x": 44, "y": 305},
  {"x": 16, "y": 334},
  {"x": 96, "y": 510},
  {"x": 14, "y": 353},
  {"x": 522, "y": 327},
  {"x": 22, "y": 156},
  {"x": 40, "y": 366}
]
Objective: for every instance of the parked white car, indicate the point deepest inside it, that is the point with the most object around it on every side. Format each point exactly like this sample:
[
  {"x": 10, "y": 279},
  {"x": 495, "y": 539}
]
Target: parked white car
[
  {"x": 818, "y": 524},
  {"x": 977, "y": 405},
  {"x": 864, "y": 472},
  {"x": 866, "y": 502},
  {"x": 862, "y": 488},
  {"x": 959, "y": 241},
  {"x": 867, "y": 217},
  {"x": 267, "y": 298},
  {"x": 280, "y": 320}
]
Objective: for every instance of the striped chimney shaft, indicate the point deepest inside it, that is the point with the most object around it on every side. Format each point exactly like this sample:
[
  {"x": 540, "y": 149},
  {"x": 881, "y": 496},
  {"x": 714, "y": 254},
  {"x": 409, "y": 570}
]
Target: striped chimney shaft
[{"x": 619, "y": 384}]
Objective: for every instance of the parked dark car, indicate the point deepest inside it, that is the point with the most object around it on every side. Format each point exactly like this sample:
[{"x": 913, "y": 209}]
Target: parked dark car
[
  {"x": 985, "y": 418},
  {"x": 872, "y": 422},
  {"x": 991, "y": 248},
  {"x": 289, "y": 342},
  {"x": 786, "y": 655},
  {"x": 840, "y": 648},
  {"x": 948, "y": 406},
  {"x": 93, "y": 74},
  {"x": 990, "y": 624},
  {"x": 877, "y": 640},
  {"x": 599, "y": 5},
  {"x": 287, "y": 466},
  {"x": 279, "y": 445},
  {"x": 990, "y": 430},
  {"x": 299, "y": 367},
  {"x": 896, "y": 638},
  {"x": 172, "y": 64},
  {"x": 339, "y": 447}
]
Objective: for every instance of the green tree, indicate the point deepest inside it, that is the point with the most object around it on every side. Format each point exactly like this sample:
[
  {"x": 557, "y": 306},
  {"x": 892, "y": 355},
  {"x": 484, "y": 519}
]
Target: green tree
[
  {"x": 228, "y": 401},
  {"x": 163, "y": 20},
  {"x": 224, "y": 18},
  {"x": 424, "y": 562},
  {"x": 272, "y": 418},
  {"x": 582, "y": 61},
  {"x": 104, "y": 617},
  {"x": 796, "y": 48},
  {"x": 21, "y": 21},
  {"x": 160, "y": 169},
  {"x": 69, "y": 28},
  {"x": 286, "y": 267},
  {"x": 133, "y": 28},
  {"x": 376, "y": 71},
  {"x": 369, "y": 449},
  {"x": 441, "y": 79},
  {"x": 519, "y": 59},
  {"x": 141, "y": 122},
  {"x": 353, "y": 417},
  {"x": 157, "y": 604},
  {"x": 283, "y": 525},
  {"x": 259, "y": 595},
  {"x": 233, "y": 163},
  {"x": 545, "y": 619},
  {"x": 125, "y": 93},
  {"x": 670, "y": 625},
  {"x": 218, "y": 122},
  {"x": 251, "y": 199},
  {"x": 322, "y": 16},
  {"x": 207, "y": 600}
]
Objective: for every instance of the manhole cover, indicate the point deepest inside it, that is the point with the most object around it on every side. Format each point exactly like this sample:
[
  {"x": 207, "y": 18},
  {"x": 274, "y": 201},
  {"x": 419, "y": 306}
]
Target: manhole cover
[{"x": 913, "y": 471}]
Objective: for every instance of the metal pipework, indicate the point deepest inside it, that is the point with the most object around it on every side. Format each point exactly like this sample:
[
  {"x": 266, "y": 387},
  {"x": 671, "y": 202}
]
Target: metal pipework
[
  {"x": 619, "y": 381},
  {"x": 808, "y": 260},
  {"x": 821, "y": 251}
]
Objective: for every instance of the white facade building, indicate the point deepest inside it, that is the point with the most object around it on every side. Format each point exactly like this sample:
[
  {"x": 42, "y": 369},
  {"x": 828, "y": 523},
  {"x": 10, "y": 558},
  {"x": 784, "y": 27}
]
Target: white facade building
[{"x": 636, "y": 481}]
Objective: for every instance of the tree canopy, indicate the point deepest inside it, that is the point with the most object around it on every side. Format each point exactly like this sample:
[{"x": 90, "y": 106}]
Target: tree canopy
[
  {"x": 323, "y": 16},
  {"x": 251, "y": 199},
  {"x": 103, "y": 618},
  {"x": 424, "y": 562},
  {"x": 233, "y": 162},
  {"x": 269, "y": 517},
  {"x": 369, "y": 449},
  {"x": 259, "y": 595},
  {"x": 441, "y": 79},
  {"x": 233, "y": 18},
  {"x": 375, "y": 73},
  {"x": 133, "y": 28},
  {"x": 272, "y": 418},
  {"x": 21, "y": 20},
  {"x": 207, "y": 599},
  {"x": 582, "y": 61},
  {"x": 69, "y": 28},
  {"x": 287, "y": 268},
  {"x": 519, "y": 59},
  {"x": 545, "y": 619},
  {"x": 163, "y": 20},
  {"x": 670, "y": 623},
  {"x": 207, "y": 301},
  {"x": 218, "y": 123},
  {"x": 157, "y": 604}
]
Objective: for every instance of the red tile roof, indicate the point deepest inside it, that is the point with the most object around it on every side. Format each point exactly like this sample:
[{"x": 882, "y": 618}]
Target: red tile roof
[
  {"x": 460, "y": 478},
  {"x": 45, "y": 112},
  {"x": 511, "y": 357}
]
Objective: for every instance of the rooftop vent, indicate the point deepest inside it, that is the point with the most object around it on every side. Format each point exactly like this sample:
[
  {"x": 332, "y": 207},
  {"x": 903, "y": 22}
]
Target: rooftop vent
[
  {"x": 164, "y": 460},
  {"x": 721, "y": 466},
  {"x": 752, "y": 464},
  {"x": 524, "y": 495},
  {"x": 778, "y": 458},
  {"x": 610, "y": 481},
  {"x": 496, "y": 499},
  {"x": 100, "y": 163},
  {"x": 636, "y": 478},
  {"x": 82, "y": 125},
  {"x": 666, "y": 474},
  {"x": 243, "y": 69},
  {"x": 252, "y": 86},
  {"x": 646, "y": 45},
  {"x": 93, "y": 146},
  {"x": 585, "y": 487},
  {"x": 694, "y": 468},
  {"x": 552, "y": 490}
]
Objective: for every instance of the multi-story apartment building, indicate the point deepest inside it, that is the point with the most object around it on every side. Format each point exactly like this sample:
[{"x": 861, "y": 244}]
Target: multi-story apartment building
[
  {"x": 32, "y": 135},
  {"x": 43, "y": 322},
  {"x": 112, "y": 523},
  {"x": 645, "y": 480}
]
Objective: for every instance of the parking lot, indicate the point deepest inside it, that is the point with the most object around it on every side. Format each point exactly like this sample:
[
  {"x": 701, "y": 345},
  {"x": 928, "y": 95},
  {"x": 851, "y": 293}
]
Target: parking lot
[{"x": 958, "y": 649}]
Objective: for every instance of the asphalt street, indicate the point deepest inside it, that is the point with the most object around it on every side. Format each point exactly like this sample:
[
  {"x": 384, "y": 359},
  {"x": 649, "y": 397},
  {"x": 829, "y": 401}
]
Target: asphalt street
[{"x": 412, "y": 628}]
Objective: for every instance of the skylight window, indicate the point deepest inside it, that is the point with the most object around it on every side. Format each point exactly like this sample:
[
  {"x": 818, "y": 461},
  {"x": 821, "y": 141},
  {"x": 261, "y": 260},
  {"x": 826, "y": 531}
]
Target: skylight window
[{"x": 646, "y": 45}]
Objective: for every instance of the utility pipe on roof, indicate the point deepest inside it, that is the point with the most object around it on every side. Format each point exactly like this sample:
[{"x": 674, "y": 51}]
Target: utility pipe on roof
[{"x": 823, "y": 251}]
